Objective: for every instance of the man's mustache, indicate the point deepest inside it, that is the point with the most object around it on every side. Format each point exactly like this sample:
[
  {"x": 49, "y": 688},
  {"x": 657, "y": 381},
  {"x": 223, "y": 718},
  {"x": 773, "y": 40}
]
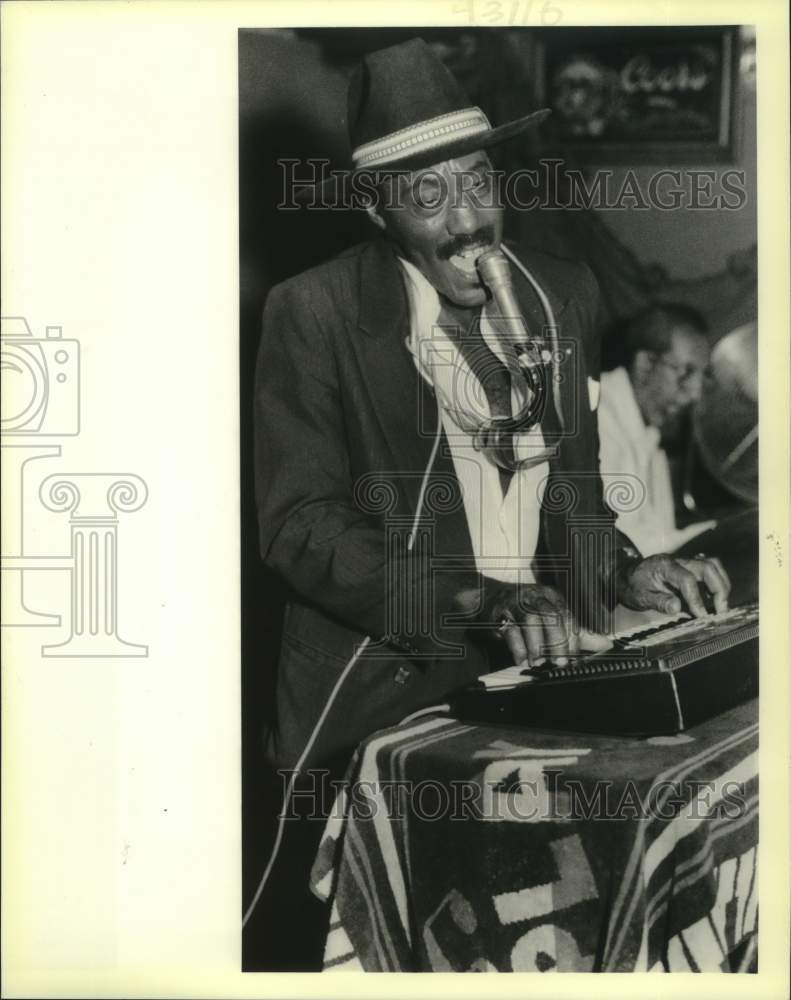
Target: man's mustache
[{"x": 483, "y": 237}]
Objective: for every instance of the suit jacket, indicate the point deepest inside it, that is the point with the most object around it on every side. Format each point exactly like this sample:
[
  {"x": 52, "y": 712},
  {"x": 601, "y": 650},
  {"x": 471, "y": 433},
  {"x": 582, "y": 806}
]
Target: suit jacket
[{"x": 344, "y": 431}]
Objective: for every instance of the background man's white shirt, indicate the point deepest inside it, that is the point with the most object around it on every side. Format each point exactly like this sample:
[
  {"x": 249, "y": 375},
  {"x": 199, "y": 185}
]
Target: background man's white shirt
[{"x": 630, "y": 448}]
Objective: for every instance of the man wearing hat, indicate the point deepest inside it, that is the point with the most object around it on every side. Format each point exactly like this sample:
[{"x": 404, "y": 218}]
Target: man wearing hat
[{"x": 426, "y": 461}]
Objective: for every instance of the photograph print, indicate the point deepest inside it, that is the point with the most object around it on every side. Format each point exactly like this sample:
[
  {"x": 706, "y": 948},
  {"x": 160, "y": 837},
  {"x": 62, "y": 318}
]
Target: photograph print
[{"x": 499, "y": 499}]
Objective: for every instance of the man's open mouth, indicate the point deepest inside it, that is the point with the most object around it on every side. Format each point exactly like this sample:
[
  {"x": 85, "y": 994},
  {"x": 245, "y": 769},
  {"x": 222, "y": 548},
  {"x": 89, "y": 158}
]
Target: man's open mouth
[{"x": 465, "y": 260}]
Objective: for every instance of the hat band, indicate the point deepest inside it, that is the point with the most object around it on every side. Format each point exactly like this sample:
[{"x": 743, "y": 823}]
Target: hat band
[{"x": 430, "y": 134}]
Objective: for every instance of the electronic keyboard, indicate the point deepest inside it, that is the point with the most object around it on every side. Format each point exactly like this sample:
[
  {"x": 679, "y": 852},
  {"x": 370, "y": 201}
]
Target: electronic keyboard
[{"x": 660, "y": 680}]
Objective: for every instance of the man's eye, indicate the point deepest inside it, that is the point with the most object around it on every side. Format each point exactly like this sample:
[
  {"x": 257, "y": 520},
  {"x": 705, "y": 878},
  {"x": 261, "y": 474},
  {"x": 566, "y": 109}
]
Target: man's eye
[
  {"x": 481, "y": 181},
  {"x": 430, "y": 198},
  {"x": 428, "y": 191},
  {"x": 427, "y": 197}
]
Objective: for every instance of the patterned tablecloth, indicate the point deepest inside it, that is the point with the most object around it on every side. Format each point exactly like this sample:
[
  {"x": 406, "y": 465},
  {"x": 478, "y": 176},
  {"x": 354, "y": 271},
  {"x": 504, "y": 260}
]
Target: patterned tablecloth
[{"x": 455, "y": 847}]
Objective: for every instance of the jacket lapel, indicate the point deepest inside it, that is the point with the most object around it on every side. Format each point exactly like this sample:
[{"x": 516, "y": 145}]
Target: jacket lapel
[{"x": 400, "y": 400}]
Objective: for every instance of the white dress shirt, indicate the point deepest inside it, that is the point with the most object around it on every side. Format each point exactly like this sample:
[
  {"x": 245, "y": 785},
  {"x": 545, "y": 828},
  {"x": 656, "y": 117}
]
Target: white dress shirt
[
  {"x": 503, "y": 528},
  {"x": 629, "y": 448}
]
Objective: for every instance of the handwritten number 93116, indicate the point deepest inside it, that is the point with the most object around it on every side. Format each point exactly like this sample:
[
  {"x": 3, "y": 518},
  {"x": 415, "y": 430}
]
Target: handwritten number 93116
[{"x": 509, "y": 12}]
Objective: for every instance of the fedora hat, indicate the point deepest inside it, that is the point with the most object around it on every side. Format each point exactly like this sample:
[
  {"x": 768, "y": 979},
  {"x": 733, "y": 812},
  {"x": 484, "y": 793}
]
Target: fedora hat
[{"x": 407, "y": 111}]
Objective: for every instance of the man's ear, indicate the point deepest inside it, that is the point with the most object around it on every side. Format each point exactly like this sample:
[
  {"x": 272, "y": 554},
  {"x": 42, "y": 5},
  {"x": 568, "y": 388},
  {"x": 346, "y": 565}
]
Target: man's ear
[
  {"x": 373, "y": 213},
  {"x": 642, "y": 365}
]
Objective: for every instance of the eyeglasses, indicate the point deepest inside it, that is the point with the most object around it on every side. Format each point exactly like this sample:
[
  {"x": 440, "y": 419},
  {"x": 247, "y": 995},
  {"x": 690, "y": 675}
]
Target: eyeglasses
[{"x": 686, "y": 374}]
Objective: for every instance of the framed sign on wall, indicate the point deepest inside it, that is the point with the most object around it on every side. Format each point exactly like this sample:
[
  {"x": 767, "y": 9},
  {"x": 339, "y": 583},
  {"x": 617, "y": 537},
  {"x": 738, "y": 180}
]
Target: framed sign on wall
[{"x": 650, "y": 95}]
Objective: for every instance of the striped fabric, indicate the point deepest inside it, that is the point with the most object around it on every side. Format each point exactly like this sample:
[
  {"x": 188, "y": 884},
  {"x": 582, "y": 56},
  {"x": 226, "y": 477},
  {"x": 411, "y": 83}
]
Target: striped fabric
[{"x": 472, "y": 848}]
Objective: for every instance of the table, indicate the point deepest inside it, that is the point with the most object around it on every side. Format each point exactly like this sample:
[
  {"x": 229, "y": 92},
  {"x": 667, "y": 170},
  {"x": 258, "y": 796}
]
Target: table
[{"x": 456, "y": 847}]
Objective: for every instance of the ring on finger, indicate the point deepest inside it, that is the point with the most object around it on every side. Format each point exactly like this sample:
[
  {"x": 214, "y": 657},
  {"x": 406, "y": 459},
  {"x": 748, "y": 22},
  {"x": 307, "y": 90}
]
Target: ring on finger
[{"x": 506, "y": 621}]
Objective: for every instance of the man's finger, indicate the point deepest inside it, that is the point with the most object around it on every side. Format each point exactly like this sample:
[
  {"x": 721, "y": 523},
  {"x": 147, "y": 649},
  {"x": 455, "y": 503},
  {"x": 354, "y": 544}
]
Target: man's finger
[
  {"x": 556, "y": 637},
  {"x": 716, "y": 585},
  {"x": 660, "y": 600},
  {"x": 703, "y": 569},
  {"x": 718, "y": 563},
  {"x": 687, "y": 584},
  {"x": 573, "y": 633},
  {"x": 512, "y": 635},
  {"x": 592, "y": 642},
  {"x": 533, "y": 633},
  {"x": 726, "y": 580}
]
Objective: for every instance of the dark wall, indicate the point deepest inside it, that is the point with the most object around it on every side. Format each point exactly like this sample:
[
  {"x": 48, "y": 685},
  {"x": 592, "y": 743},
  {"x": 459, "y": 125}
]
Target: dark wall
[{"x": 289, "y": 101}]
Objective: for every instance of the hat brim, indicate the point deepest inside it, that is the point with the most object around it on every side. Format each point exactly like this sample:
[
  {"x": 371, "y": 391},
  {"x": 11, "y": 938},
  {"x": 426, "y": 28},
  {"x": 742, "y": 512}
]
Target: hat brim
[
  {"x": 462, "y": 147},
  {"x": 452, "y": 150}
]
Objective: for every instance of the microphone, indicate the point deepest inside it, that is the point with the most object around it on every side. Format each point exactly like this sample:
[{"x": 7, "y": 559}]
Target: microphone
[
  {"x": 493, "y": 269},
  {"x": 495, "y": 273}
]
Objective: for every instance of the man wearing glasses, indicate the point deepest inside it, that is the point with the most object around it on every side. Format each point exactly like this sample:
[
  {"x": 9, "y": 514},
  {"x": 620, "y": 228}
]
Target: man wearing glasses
[{"x": 665, "y": 354}]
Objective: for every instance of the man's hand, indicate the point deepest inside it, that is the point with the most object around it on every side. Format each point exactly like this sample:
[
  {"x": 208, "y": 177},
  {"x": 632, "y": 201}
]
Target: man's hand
[
  {"x": 536, "y": 624},
  {"x": 667, "y": 584}
]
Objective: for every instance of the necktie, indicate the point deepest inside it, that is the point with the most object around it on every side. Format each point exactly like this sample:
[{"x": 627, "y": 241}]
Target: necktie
[{"x": 491, "y": 374}]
